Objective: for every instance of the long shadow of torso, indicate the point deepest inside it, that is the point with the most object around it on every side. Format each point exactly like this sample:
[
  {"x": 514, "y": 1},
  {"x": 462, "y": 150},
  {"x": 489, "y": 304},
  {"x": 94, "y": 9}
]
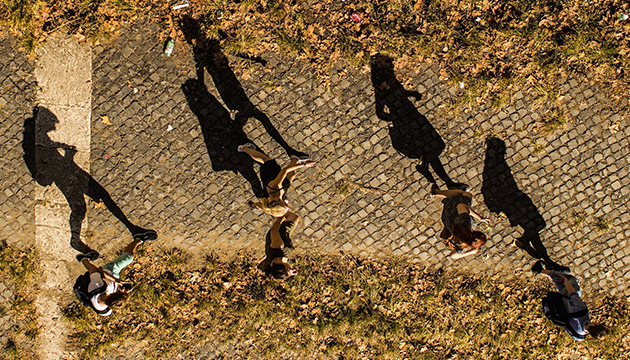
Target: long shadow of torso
[
  {"x": 501, "y": 194},
  {"x": 411, "y": 132}
]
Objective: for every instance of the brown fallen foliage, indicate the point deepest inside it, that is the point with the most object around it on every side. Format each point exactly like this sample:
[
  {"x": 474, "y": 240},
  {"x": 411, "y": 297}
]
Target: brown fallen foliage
[
  {"x": 341, "y": 307},
  {"x": 487, "y": 44},
  {"x": 18, "y": 316}
]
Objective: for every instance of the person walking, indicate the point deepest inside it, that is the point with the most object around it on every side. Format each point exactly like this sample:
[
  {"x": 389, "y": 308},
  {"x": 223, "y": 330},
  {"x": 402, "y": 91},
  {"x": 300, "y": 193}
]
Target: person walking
[
  {"x": 275, "y": 180},
  {"x": 277, "y": 242},
  {"x": 460, "y": 221},
  {"x": 100, "y": 288},
  {"x": 565, "y": 307}
]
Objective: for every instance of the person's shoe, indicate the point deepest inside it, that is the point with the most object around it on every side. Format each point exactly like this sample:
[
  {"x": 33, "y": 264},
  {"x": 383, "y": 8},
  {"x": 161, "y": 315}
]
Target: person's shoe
[
  {"x": 300, "y": 159},
  {"x": 519, "y": 244},
  {"x": 538, "y": 267},
  {"x": 433, "y": 191},
  {"x": 241, "y": 148},
  {"x": 92, "y": 256},
  {"x": 459, "y": 186},
  {"x": 145, "y": 235}
]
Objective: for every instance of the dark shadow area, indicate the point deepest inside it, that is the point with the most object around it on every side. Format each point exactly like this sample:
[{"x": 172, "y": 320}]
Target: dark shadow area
[
  {"x": 221, "y": 134},
  {"x": 501, "y": 194},
  {"x": 48, "y": 166},
  {"x": 411, "y": 133},
  {"x": 209, "y": 56}
]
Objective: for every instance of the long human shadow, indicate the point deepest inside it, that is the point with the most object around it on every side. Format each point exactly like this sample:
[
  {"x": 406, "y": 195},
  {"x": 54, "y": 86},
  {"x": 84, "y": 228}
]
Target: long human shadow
[
  {"x": 501, "y": 194},
  {"x": 221, "y": 134},
  {"x": 411, "y": 132},
  {"x": 209, "y": 56},
  {"x": 48, "y": 166}
]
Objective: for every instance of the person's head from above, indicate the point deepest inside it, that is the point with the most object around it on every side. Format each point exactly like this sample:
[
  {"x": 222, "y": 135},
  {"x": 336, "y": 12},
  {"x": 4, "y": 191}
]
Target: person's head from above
[
  {"x": 277, "y": 208},
  {"x": 597, "y": 331},
  {"x": 465, "y": 234},
  {"x": 281, "y": 269},
  {"x": 117, "y": 299}
]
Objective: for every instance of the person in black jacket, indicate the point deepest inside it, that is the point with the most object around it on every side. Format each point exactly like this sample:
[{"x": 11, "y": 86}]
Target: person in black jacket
[{"x": 566, "y": 307}]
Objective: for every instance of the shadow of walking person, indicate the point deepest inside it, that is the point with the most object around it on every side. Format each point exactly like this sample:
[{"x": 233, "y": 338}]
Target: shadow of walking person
[
  {"x": 411, "y": 132},
  {"x": 48, "y": 166},
  {"x": 221, "y": 134},
  {"x": 209, "y": 56},
  {"x": 501, "y": 194}
]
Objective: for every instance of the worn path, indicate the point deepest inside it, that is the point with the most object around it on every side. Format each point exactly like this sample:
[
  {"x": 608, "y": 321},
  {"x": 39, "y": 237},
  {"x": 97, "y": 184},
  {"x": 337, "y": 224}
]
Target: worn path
[
  {"x": 364, "y": 196},
  {"x": 151, "y": 150}
]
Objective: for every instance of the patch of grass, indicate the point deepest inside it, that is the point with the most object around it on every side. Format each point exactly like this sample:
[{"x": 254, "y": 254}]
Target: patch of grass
[
  {"x": 17, "y": 272},
  {"x": 537, "y": 148},
  {"x": 337, "y": 306},
  {"x": 603, "y": 224},
  {"x": 343, "y": 188},
  {"x": 291, "y": 42},
  {"x": 10, "y": 350},
  {"x": 243, "y": 41},
  {"x": 554, "y": 120},
  {"x": 578, "y": 220}
]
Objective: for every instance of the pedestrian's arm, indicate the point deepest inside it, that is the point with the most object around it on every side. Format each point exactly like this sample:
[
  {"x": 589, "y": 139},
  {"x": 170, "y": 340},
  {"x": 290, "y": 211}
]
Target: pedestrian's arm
[
  {"x": 477, "y": 216},
  {"x": 91, "y": 268},
  {"x": 275, "y": 183},
  {"x": 568, "y": 285},
  {"x": 256, "y": 205},
  {"x": 291, "y": 216}
]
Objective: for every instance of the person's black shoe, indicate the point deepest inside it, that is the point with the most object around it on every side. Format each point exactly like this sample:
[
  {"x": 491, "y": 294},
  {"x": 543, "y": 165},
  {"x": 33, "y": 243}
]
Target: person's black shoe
[
  {"x": 92, "y": 255},
  {"x": 538, "y": 267},
  {"x": 145, "y": 235},
  {"x": 459, "y": 186}
]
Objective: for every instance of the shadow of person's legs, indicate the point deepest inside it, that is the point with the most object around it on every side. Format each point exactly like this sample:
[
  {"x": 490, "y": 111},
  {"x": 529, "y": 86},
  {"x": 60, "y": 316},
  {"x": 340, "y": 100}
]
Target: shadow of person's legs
[
  {"x": 209, "y": 56},
  {"x": 221, "y": 135},
  {"x": 502, "y": 195}
]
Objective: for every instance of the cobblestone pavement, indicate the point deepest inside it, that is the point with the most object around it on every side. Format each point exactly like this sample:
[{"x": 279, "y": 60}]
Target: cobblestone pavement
[
  {"x": 569, "y": 187},
  {"x": 363, "y": 196},
  {"x": 17, "y": 202},
  {"x": 17, "y": 98}
]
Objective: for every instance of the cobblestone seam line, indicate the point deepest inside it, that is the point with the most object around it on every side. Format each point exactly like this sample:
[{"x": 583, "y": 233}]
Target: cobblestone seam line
[{"x": 63, "y": 74}]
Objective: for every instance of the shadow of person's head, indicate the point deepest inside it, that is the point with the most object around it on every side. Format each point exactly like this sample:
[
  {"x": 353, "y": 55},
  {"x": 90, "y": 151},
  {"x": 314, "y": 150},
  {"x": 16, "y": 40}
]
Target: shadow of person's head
[
  {"x": 46, "y": 121},
  {"x": 382, "y": 73},
  {"x": 495, "y": 147}
]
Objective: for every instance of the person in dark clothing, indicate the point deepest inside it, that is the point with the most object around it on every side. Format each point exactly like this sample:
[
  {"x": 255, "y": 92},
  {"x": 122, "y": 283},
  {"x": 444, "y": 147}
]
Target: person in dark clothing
[
  {"x": 575, "y": 316},
  {"x": 460, "y": 222},
  {"x": 277, "y": 243},
  {"x": 275, "y": 180}
]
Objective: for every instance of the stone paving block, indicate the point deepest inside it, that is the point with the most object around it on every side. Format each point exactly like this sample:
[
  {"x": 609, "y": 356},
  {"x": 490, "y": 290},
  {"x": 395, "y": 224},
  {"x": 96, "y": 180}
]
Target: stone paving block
[{"x": 17, "y": 100}]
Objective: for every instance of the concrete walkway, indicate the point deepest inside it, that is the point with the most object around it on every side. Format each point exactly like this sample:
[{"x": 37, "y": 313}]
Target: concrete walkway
[{"x": 62, "y": 126}]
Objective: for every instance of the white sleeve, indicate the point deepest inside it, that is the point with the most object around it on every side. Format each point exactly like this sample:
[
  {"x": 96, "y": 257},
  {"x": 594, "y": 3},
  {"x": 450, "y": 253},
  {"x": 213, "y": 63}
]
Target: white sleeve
[{"x": 96, "y": 281}]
